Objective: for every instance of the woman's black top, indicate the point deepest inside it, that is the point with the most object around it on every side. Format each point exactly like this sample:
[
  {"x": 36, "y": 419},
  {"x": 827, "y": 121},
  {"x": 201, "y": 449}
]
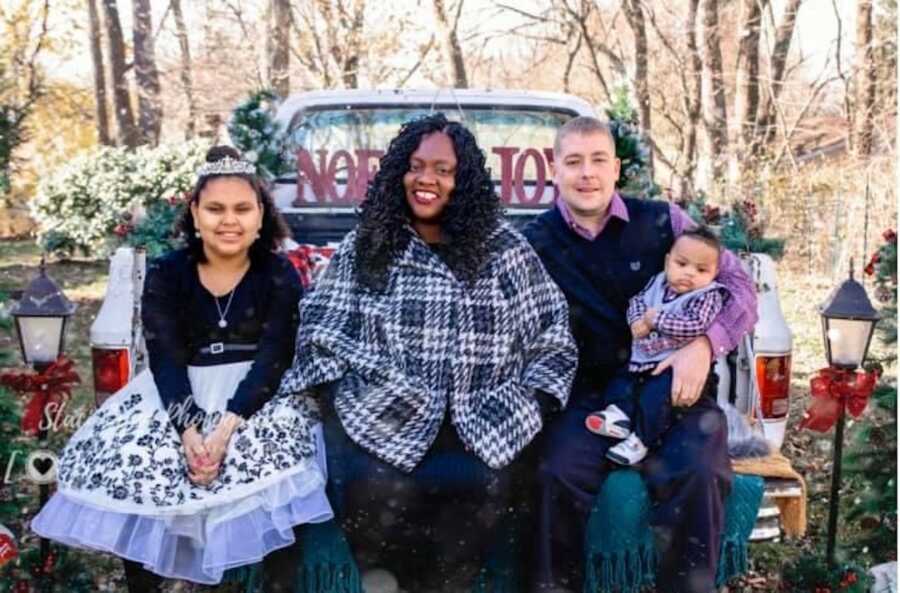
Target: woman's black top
[{"x": 181, "y": 328}]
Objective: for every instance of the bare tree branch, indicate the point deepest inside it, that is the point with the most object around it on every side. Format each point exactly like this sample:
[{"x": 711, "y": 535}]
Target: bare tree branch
[
  {"x": 34, "y": 77},
  {"x": 634, "y": 15},
  {"x": 865, "y": 77},
  {"x": 570, "y": 61},
  {"x": 187, "y": 78},
  {"x": 788, "y": 131},
  {"x": 418, "y": 63},
  {"x": 450, "y": 43},
  {"x": 778, "y": 73},
  {"x": 162, "y": 22},
  {"x": 848, "y": 114},
  {"x": 657, "y": 151},
  {"x": 459, "y": 7},
  {"x": 520, "y": 12},
  {"x": 717, "y": 125},
  {"x": 238, "y": 13}
]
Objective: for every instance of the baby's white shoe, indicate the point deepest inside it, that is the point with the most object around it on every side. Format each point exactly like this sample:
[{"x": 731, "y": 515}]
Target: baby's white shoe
[
  {"x": 629, "y": 452},
  {"x": 611, "y": 422}
]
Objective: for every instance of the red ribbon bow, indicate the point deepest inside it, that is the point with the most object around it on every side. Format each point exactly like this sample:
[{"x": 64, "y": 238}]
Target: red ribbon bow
[
  {"x": 53, "y": 385},
  {"x": 301, "y": 258},
  {"x": 8, "y": 549},
  {"x": 832, "y": 390},
  {"x": 309, "y": 260}
]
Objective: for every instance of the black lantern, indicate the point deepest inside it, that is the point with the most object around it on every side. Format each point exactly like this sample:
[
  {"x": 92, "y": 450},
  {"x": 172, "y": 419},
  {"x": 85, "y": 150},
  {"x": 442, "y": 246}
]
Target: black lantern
[
  {"x": 848, "y": 322},
  {"x": 41, "y": 316}
]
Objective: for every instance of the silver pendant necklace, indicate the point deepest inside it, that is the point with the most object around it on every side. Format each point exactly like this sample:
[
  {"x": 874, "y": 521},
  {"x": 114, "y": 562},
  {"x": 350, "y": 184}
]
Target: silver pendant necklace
[{"x": 223, "y": 323}]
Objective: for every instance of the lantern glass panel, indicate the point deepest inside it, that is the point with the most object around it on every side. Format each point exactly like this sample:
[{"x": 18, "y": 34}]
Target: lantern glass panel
[
  {"x": 41, "y": 338},
  {"x": 849, "y": 340}
]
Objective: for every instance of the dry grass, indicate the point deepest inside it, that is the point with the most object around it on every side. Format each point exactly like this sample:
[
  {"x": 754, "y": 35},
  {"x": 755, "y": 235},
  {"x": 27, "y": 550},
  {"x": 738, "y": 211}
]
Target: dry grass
[{"x": 829, "y": 212}]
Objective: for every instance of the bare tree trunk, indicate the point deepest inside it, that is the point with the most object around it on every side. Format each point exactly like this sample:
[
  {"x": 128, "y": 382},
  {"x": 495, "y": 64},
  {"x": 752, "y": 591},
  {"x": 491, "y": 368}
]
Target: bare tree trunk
[
  {"x": 849, "y": 113},
  {"x": 187, "y": 78},
  {"x": 318, "y": 57},
  {"x": 96, "y": 43},
  {"x": 693, "y": 103},
  {"x": 635, "y": 16},
  {"x": 353, "y": 23},
  {"x": 145, "y": 73},
  {"x": 571, "y": 54},
  {"x": 279, "y": 53},
  {"x": 450, "y": 43},
  {"x": 127, "y": 133},
  {"x": 865, "y": 79},
  {"x": 746, "y": 97},
  {"x": 717, "y": 126},
  {"x": 334, "y": 51},
  {"x": 765, "y": 124}
]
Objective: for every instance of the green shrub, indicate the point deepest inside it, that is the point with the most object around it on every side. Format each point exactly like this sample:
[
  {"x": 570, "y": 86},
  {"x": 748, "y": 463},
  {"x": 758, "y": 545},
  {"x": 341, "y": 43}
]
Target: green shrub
[
  {"x": 254, "y": 131},
  {"x": 79, "y": 206}
]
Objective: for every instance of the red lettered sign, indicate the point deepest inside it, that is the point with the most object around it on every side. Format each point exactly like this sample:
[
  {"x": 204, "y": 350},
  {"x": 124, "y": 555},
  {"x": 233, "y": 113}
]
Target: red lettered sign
[{"x": 340, "y": 178}]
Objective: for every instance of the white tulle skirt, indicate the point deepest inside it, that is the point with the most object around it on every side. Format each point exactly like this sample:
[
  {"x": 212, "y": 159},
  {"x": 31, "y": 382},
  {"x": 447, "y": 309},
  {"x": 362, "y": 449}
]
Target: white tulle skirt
[{"x": 123, "y": 485}]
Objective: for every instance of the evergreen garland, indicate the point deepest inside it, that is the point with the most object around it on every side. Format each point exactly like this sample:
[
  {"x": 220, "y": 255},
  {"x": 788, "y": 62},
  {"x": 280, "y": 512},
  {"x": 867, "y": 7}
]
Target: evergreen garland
[
  {"x": 632, "y": 148},
  {"x": 810, "y": 574},
  {"x": 65, "y": 570},
  {"x": 871, "y": 460},
  {"x": 156, "y": 231},
  {"x": 19, "y": 502},
  {"x": 739, "y": 229},
  {"x": 254, "y": 131},
  {"x": 14, "y": 448}
]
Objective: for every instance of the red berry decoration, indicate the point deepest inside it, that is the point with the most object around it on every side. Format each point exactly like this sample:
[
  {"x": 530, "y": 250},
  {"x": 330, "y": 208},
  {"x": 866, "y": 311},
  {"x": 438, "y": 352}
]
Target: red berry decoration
[
  {"x": 711, "y": 214},
  {"x": 123, "y": 229},
  {"x": 870, "y": 267}
]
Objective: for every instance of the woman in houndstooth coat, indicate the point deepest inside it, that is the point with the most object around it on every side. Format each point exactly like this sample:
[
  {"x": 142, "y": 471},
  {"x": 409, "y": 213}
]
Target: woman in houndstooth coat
[{"x": 437, "y": 342}]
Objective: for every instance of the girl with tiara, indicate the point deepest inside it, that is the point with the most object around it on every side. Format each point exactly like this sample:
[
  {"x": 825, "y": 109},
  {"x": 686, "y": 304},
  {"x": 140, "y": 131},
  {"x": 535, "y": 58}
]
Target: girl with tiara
[{"x": 196, "y": 466}]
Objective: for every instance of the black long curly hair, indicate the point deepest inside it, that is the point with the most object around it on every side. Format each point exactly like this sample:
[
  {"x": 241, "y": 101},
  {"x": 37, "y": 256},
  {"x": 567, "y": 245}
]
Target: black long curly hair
[
  {"x": 471, "y": 213},
  {"x": 274, "y": 230}
]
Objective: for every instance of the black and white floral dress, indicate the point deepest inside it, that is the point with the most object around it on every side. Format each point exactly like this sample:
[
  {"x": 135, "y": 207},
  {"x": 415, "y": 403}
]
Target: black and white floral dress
[{"x": 123, "y": 485}]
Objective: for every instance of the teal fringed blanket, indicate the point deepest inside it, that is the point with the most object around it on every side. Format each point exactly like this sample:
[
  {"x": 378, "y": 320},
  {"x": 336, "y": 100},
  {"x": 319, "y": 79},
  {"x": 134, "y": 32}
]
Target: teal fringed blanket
[
  {"x": 326, "y": 567},
  {"x": 620, "y": 549}
]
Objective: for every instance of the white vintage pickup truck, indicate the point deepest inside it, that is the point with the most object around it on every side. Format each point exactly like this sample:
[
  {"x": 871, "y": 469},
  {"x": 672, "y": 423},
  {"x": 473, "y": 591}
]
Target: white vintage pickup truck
[{"x": 336, "y": 138}]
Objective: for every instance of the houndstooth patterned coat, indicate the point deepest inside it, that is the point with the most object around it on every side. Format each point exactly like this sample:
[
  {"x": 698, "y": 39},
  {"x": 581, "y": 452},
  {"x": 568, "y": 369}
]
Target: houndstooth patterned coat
[{"x": 431, "y": 342}]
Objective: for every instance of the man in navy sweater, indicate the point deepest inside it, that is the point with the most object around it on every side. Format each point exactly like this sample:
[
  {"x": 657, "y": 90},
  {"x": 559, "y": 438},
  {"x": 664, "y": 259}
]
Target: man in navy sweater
[{"x": 602, "y": 249}]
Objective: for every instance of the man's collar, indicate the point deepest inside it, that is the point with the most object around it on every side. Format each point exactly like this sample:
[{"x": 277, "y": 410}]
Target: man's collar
[{"x": 616, "y": 209}]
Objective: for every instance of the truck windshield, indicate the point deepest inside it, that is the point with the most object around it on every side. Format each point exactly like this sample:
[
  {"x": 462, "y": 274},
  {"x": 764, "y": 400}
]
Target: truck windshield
[{"x": 337, "y": 149}]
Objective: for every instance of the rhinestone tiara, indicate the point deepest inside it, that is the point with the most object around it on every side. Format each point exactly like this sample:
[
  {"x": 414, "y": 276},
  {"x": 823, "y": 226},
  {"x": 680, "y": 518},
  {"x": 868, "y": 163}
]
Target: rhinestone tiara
[{"x": 227, "y": 166}]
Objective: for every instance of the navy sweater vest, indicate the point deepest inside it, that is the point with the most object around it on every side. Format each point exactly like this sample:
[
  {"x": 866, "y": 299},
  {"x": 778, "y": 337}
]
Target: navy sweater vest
[{"x": 599, "y": 277}]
